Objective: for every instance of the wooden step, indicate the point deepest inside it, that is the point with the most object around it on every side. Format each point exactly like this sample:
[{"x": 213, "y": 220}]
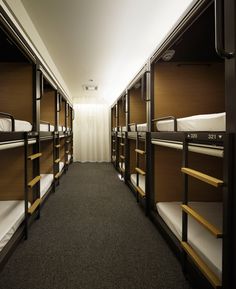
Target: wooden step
[
  {"x": 57, "y": 146},
  {"x": 141, "y": 172},
  {"x": 57, "y": 161},
  {"x": 203, "y": 177},
  {"x": 68, "y": 141},
  {"x": 34, "y": 156},
  {"x": 212, "y": 229},
  {"x": 140, "y": 191},
  {"x": 33, "y": 182},
  {"x": 122, "y": 157},
  {"x": 34, "y": 206},
  {"x": 122, "y": 170},
  {"x": 122, "y": 144},
  {"x": 67, "y": 152},
  {"x": 211, "y": 277},
  {"x": 57, "y": 176},
  {"x": 141, "y": 152}
]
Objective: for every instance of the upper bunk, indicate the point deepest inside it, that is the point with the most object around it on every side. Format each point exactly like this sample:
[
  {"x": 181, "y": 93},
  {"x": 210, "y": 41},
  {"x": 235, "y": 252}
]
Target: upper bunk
[
  {"x": 137, "y": 102},
  {"x": 48, "y": 104},
  {"x": 114, "y": 117},
  {"x": 188, "y": 93},
  {"x": 122, "y": 112},
  {"x": 17, "y": 86}
]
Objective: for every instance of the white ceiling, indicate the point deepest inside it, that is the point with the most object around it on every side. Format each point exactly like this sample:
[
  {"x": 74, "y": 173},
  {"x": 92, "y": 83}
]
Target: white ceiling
[{"x": 104, "y": 40}]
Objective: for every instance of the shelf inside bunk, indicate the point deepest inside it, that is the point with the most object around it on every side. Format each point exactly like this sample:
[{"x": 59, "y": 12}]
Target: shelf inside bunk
[
  {"x": 12, "y": 214},
  {"x": 200, "y": 239},
  {"x": 201, "y": 148}
]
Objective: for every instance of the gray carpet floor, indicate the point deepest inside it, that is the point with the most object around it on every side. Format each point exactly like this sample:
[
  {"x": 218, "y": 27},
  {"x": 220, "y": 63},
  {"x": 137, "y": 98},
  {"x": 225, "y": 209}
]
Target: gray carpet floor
[{"x": 92, "y": 235}]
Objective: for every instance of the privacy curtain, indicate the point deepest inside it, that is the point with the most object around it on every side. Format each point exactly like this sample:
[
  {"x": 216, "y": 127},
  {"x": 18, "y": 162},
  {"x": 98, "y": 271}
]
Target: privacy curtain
[{"x": 91, "y": 133}]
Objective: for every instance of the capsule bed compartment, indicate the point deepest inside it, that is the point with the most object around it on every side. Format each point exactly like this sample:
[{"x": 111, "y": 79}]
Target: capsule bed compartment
[
  {"x": 137, "y": 109},
  {"x": 48, "y": 107},
  {"x": 132, "y": 165},
  {"x": 12, "y": 196},
  {"x": 62, "y": 115},
  {"x": 203, "y": 198},
  {"x": 121, "y": 113}
]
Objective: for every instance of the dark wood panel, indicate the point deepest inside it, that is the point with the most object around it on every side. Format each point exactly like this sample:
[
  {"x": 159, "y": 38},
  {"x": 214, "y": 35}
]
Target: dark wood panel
[
  {"x": 187, "y": 89},
  {"x": 168, "y": 179},
  {"x": 48, "y": 107},
  {"x": 62, "y": 114},
  {"x": 12, "y": 173},
  {"x": 46, "y": 160},
  {"x": 137, "y": 107},
  {"x": 16, "y": 90}
]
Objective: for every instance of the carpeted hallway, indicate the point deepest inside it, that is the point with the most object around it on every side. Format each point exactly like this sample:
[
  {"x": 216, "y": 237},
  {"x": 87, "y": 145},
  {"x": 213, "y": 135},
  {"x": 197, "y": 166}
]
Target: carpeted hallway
[{"x": 92, "y": 235}]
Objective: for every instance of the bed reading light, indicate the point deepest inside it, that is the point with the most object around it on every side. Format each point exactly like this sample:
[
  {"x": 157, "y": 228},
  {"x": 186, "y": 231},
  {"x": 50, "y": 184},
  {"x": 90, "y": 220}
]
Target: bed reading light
[{"x": 168, "y": 55}]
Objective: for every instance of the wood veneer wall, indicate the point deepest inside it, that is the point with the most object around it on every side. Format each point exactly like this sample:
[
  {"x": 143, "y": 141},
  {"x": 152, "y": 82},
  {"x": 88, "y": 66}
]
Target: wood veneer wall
[
  {"x": 16, "y": 90},
  {"x": 62, "y": 114},
  {"x": 121, "y": 113},
  {"x": 137, "y": 107},
  {"x": 48, "y": 107},
  {"x": 185, "y": 89},
  {"x": 168, "y": 179},
  {"x": 46, "y": 160}
]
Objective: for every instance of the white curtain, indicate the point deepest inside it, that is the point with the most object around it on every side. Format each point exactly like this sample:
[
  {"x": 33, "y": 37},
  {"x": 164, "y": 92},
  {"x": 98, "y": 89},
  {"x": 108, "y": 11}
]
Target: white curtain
[{"x": 92, "y": 132}]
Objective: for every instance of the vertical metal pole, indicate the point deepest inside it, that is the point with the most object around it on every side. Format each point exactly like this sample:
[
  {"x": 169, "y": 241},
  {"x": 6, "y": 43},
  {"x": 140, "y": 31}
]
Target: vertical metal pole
[
  {"x": 185, "y": 202},
  {"x": 26, "y": 182}
]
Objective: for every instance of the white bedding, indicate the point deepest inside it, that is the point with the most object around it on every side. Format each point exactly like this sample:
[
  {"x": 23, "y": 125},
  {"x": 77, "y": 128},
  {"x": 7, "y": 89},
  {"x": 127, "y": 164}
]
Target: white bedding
[
  {"x": 61, "y": 128},
  {"x": 45, "y": 183},
  {"x": 201, "y": 122},
  {"x": 61, "y": 166},
  {"x": 20, "y": 125},
  {"x": 11, "y": 216},
  {"x": 69, "y": 158},
  {"x": 140, "y": 127},
  {"x": 204, "y": 243},
  {"x": 44, "y": 127},
  {"x": 133, "y": 179}
]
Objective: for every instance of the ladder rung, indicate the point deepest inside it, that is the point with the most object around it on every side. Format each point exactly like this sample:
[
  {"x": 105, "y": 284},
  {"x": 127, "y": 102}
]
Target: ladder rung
[
  {"x": 113, "y": 140},
  {"x": 34, "y": 206},
  {"x": 203, "y": 177},
  {"x": 141, "y": 152},
  {"x": 122, "y": 170},
  {"x": 113, "y": 150},
  {"x": 212, "y": 278},
  {"x": 57, "y": 146},
  {"x": 122, "y": 144},
  {"x": 33, "y": 182},
  {"x": 67, "y": 152},
  {"x": 35, "y": 156},
  {"x": 122, "y": 157},
  {"x": 141, "y": 172},
  {"x": 57, "y": 161},
  {"x": 68, "y": 141},
  {"x": 212, "y": 229},
  {"x": 57, "y": 176},
  {"x": 140, "y": 191}
]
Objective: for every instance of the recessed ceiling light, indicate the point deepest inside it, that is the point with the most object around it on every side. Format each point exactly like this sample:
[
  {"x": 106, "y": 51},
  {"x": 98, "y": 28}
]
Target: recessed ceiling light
[{"x": 90, "y": 87}]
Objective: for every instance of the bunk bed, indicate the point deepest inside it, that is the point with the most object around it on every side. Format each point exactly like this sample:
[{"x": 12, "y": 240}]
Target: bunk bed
[{"x": 188, "y": 147}]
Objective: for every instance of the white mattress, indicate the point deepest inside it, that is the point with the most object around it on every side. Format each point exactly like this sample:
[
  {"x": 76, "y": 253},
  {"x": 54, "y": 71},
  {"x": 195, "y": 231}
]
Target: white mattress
[
  {"x": 20, "y": 125},
  {"x": 61, "y": 166},
  {"x": 133, "y": 179},
  {"x": 69, "y": 158},
  {"x": 201, "y": 122},
  {"x": 61, "y": 128},
  {"x": 203, "y": 242},
  {"x": 124, "y": 128},
  {"x": 45, "y": 183},
  {"x": 140, "y": 127},
  {"x": 44, "y": 127},
  {"x": 11, "y": 216},
  {"x": 114, "y": 128}
]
